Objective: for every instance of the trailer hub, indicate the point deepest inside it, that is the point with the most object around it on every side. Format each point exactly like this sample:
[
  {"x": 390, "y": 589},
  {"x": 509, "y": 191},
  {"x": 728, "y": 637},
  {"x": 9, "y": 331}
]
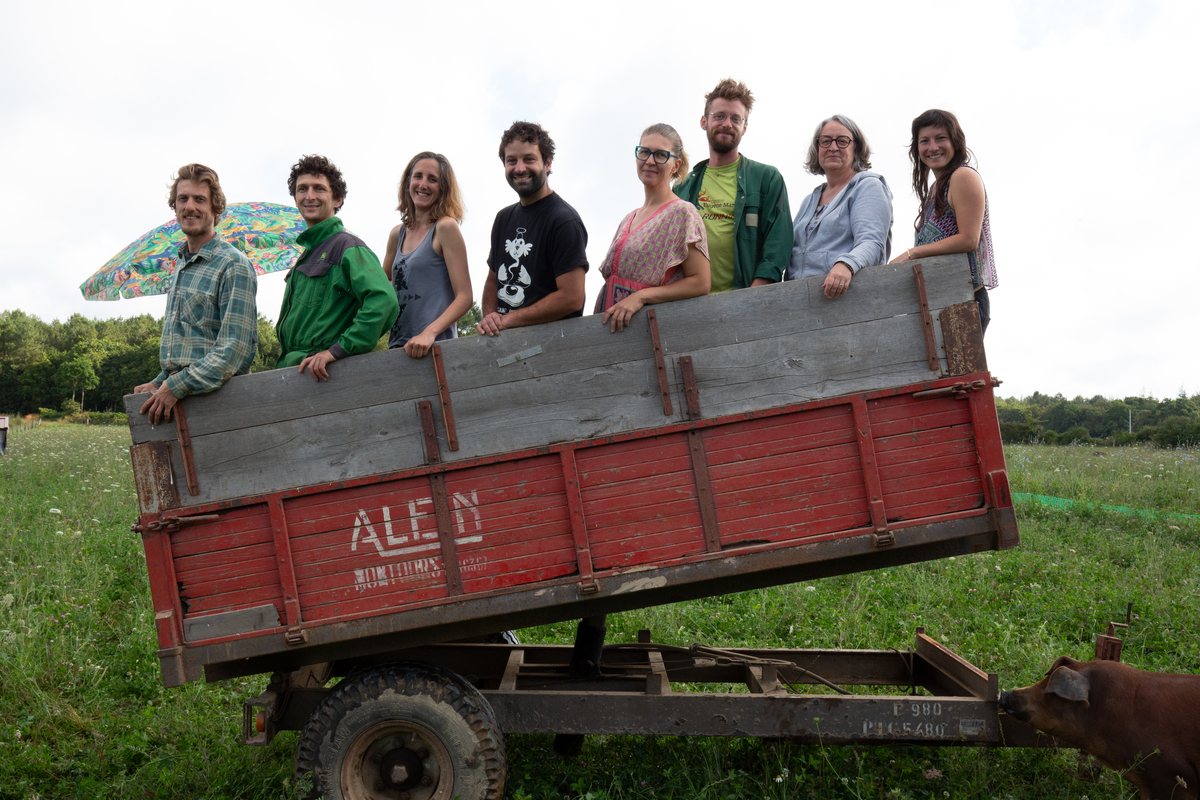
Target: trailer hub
[{"x": 401, "y": 769}]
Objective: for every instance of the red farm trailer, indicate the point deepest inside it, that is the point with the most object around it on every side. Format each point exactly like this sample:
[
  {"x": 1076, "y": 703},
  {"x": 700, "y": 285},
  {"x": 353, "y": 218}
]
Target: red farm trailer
[{"x": 380, "y": 526}]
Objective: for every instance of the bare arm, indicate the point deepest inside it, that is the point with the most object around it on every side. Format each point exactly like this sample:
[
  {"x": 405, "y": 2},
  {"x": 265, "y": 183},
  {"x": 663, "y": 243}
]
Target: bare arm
[
  {"x": 389, "y": 255},
  {"x": 493, "y": 321},
  {"x": 447, "y": 242},
  {"x": 967, "y": 199},
  {"x": 696, "y": 281}
]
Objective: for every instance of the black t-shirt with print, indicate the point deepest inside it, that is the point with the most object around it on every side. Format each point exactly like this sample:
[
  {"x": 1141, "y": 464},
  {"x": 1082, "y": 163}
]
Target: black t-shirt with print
[{"x": 531, "y": 246}]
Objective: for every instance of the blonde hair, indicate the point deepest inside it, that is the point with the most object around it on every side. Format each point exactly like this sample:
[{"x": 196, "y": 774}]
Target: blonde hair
[
  {"x": 671, "y": 135},
  {"x": 200, "y": 174},
  {"x": 449, "y": 202},
  {"x": 729, "y": 89}
]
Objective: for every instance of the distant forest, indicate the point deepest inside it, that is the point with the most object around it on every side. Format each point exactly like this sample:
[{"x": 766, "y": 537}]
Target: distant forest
[{"x": 87, "y": 365}]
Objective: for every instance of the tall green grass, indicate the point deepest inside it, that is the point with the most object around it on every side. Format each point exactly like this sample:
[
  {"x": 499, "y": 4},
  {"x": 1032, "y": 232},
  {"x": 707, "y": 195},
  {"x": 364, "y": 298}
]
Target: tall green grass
[{"x": 83, "y": 714}]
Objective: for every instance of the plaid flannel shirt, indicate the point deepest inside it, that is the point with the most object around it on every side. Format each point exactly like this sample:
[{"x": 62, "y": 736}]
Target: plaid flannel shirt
[{"x": 210, "y": 329}]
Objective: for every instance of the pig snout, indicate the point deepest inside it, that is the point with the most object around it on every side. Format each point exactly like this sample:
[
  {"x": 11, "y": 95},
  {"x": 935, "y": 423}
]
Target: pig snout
[{"x": 1011, "y": 704}]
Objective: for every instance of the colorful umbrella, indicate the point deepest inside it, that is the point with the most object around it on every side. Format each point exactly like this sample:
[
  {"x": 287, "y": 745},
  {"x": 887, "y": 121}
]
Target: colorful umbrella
[{"x": 265, "y": 232}]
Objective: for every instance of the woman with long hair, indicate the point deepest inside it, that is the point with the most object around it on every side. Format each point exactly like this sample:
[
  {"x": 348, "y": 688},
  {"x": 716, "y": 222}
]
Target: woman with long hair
[
  {"x": 659, "y": 252},
  {"x": 953, "y": 214},
  {"x": 426, "y": 257}
]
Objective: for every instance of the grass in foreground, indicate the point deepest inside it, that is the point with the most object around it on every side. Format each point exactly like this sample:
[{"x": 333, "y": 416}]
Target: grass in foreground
[{"x": 82, "y": 712}]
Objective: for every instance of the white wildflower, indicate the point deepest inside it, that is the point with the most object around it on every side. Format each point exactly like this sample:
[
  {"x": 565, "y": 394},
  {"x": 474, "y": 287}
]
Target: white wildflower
[{"x": 58, "y": 511}]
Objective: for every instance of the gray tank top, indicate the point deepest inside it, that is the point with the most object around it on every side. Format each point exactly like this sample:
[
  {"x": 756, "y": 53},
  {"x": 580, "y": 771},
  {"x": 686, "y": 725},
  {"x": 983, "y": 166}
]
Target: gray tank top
[{"x": 423, "y": 289}]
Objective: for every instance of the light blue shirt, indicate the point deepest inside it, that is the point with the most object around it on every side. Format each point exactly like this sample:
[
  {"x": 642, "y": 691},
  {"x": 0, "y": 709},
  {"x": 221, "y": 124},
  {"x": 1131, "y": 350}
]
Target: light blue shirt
[{"x": 854, "y": 228}]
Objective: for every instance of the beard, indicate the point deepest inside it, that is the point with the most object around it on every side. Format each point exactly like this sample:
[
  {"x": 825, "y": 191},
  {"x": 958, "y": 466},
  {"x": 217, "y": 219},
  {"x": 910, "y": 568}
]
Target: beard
[
  {"x": 722, "y": 146},
  {"x": 536, "y": 181}
]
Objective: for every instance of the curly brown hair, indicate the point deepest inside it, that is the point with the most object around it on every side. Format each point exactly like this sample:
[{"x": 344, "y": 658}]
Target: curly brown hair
[
  {"x": 729, "y": 89},
  {"x": 528, "y": 132},
  {"x": 200, "y": 174},
  {"x": 319, "y": 165}
]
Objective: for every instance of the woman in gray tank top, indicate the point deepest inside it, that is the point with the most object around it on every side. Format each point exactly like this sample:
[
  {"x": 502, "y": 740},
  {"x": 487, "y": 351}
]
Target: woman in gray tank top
[{"x": 426, "y": 257}]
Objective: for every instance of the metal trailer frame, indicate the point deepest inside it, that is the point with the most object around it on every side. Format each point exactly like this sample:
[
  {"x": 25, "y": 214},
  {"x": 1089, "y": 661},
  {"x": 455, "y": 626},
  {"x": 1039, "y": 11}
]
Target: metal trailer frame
[{"x": 642, "y": 689}]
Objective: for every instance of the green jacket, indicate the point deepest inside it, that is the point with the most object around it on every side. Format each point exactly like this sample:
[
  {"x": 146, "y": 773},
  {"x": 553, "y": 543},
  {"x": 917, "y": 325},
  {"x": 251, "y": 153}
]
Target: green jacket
[
  {"x": 337, "y": 297},
  {"x": 762, "y": 242}
]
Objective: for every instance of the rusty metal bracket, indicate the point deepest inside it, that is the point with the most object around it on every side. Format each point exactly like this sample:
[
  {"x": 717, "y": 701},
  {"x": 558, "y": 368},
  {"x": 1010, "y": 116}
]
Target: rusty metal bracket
[
  {"x": 296, "y": 636},
  {"x": 959, "y": 390},
  {"x": 660, "y": 364},
  {"x": 441, "y": 508},
  {"x": 433, "y": 454},
  {"x": 704, "y": 494},
  {"x": 926, "y": 317},
  {"x": 171, "y": 523},
  {"x": 583, "y": 549},
  {"x": 283, "y": 560},
  {"x": 870, "y": 468},
  {"x": 690, "y": 392},
  {"x": 185, "y": 445},
  {"x": 444, "y": 395}
]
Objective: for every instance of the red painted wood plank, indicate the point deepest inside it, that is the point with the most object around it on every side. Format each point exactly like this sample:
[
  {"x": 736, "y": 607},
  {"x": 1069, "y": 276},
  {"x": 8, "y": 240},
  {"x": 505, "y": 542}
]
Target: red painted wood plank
[
  {"x": 400, "y": 584},
  {"x": 920, "y": 468},
  {"x": 213, "y": 537},
  {"x": 933, "y": 482},
  {"x": 799, "y": 433},
  {"x": 242, "y": 561},
  {"x": 933, "y": 444},
  {"x": 235, "y": 599},
  {"x": 828, "y": 461},
  {"x": 944, "y": 419}
]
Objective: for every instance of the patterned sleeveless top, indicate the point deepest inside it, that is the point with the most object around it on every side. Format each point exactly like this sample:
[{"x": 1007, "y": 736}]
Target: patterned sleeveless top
[{"x": 936, "y": 228}]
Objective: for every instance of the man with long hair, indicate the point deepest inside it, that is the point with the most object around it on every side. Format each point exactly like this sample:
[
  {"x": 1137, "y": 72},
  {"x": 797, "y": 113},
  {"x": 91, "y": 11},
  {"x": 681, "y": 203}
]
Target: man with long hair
[
  {"x": 337, "y": 302},
  {"x": 743, "y": 203},
  {"x": 210, "y": 328}
]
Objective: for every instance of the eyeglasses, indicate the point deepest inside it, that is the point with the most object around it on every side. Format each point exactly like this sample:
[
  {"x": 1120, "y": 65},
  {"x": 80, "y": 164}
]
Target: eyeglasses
[
  {"x": 721, "y": 116},
  {"x": 660, "y": 156},
  {"x": 827, "y": 142}
]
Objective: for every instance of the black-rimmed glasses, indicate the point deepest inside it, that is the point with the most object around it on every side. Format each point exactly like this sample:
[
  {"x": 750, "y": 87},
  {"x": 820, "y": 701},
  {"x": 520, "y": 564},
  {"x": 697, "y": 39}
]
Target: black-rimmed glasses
[
  {"x": 826, "y": 142},
  {"x": 660, "y": 156}
]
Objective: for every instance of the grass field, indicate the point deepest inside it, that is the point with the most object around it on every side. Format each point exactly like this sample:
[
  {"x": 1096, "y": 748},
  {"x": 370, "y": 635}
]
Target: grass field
[{"x": 83, "y": 715}]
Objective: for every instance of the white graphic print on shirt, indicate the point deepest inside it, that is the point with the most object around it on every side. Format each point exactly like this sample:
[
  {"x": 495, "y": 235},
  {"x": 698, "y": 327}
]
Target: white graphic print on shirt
[{"x": 515, "y": 279}]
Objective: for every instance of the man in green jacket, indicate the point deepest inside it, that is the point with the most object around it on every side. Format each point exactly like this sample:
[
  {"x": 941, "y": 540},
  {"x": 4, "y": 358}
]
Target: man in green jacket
[
  {"x": 744, "y": 204},
  {"x": 337, "y": 302}
]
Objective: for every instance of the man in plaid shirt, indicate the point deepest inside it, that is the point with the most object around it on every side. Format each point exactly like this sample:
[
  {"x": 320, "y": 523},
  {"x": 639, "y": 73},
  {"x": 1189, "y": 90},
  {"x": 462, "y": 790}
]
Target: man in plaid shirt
[{"x": 210, "y": 329}]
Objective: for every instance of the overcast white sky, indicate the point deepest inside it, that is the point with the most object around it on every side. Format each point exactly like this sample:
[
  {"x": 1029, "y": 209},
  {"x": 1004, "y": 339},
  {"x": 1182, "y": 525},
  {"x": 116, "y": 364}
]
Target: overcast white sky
[{"x": 1082, "y": 115}]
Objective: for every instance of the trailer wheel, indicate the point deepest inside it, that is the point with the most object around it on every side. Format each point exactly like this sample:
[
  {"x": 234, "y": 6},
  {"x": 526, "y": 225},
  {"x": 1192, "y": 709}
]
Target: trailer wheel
[{"x": 404, "y": 731}]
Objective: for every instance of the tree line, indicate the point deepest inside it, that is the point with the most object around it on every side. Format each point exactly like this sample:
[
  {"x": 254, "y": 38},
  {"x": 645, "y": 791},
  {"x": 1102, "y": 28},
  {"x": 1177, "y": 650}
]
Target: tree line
[
  {"x": 1172, "y": 422},
  {"x": 85, "y": 365}
]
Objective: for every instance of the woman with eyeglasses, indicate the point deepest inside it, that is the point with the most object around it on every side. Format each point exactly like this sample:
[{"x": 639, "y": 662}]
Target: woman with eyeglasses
[
  {"x": 659, "y": 252},
  {"x": 426, "y": 258},
  {"x": 953, "y": 213},
  {"x": 846, "y": 223}
]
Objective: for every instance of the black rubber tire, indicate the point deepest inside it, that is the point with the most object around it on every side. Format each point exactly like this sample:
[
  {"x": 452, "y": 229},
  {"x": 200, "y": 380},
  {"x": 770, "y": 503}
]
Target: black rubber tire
[{"x": 424, "y": 703}]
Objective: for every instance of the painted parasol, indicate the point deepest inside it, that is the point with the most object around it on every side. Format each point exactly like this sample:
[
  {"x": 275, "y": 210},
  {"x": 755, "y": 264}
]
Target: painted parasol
[{"x": 265, "y": 232}]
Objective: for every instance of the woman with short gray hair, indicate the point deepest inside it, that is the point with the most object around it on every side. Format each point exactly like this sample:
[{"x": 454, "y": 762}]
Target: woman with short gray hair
[{"x": 846, "y": 223}]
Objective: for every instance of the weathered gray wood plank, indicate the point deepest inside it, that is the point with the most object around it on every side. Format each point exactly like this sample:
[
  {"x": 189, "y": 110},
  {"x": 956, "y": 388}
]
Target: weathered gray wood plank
[
  {"x": 281, "y": 394},
  {"x": 752, "y": 350}
]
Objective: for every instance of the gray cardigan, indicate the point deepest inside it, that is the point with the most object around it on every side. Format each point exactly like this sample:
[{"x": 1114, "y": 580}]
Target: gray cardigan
[{"x": 855, "y": 228}]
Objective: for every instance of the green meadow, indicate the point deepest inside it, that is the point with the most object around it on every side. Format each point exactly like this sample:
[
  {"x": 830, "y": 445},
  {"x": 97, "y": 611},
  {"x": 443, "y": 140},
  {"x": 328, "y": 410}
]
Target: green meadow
[{"x": 83, "y": 714}]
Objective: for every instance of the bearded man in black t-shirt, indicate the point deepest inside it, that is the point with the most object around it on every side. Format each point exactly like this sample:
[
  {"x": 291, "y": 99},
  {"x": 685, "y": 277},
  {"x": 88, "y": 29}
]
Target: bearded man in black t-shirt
[{"x": 537, "y": 261}]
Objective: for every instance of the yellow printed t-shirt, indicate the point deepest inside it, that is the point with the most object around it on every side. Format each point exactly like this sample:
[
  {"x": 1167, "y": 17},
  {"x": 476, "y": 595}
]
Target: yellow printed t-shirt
[{"x": 718, "y": 193}]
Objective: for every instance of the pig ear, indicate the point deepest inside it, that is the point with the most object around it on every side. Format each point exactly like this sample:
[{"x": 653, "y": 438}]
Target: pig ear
[{"x": 1068, "y": 684}]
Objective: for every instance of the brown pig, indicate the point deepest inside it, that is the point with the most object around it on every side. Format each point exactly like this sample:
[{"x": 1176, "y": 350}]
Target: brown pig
[{"x": 1145, "y": 725}]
